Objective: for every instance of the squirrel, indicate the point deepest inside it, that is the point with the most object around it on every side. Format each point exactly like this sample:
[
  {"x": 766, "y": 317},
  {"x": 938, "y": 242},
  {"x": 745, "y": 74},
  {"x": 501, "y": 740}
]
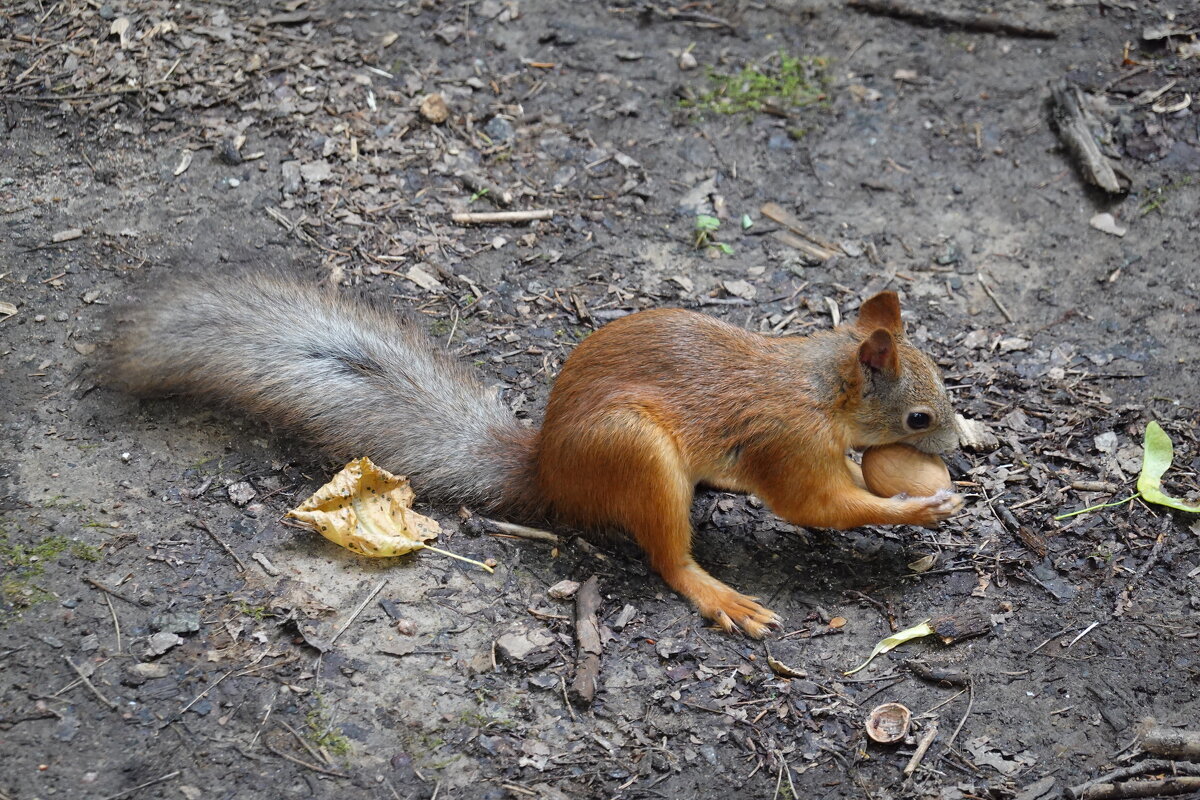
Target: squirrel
[{"x": 646, "y": 408}]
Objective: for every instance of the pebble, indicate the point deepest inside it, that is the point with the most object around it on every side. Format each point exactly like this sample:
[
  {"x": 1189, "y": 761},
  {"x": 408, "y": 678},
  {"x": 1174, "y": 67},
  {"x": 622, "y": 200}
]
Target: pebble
[{"x": 499, "y": 129}]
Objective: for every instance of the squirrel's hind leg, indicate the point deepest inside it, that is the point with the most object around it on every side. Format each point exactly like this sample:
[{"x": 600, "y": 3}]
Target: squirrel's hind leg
[{"x": 637, "y": 478}]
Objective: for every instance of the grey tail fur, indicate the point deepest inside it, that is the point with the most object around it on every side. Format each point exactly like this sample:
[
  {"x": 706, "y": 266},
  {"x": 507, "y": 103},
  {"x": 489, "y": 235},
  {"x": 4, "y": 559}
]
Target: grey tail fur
[{"x": 355, "y": 379}]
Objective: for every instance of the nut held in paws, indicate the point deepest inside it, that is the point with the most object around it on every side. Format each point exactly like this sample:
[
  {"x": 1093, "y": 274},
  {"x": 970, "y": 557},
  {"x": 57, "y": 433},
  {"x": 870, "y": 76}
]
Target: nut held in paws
[{"x": 895, "y": 469}]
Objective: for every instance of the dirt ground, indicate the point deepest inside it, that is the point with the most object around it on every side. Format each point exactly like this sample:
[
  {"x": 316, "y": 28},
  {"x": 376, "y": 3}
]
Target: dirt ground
[{"x": 165, "y": 635}]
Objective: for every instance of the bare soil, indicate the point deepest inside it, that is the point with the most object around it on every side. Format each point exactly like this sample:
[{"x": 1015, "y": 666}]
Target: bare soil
[{"x": 148, "y": 650}]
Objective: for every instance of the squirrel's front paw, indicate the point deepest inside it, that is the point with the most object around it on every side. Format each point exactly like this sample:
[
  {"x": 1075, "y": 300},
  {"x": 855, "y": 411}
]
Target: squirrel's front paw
[{"x": 936, "y": 507}]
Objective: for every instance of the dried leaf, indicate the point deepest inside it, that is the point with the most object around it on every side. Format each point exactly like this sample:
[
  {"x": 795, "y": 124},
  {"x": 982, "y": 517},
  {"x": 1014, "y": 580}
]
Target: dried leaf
[
  {"x": 185, "y": 161},
  {"x": 369, "y": 510},
  {"x": 915, "y": 632},
  {"x": 120, "y": 27},
  {"x": 783, "y": 670}
]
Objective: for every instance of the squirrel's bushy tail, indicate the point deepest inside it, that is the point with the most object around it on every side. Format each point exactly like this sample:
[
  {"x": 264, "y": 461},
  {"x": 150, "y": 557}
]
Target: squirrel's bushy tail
[{"x": 355, "y": 379}]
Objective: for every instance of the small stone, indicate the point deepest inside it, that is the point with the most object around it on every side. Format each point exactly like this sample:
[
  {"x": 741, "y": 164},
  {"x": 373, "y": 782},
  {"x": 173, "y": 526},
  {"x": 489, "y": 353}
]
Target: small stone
[
  {"x": 316, "y": 171},
  {"x": 148, "y": 670},
  {"x": 742, "y": 289},
  {"x": 61, "y": 316},
  {"x": 176, "y": 621},
  {"x": 1106, "y": 223},
  {"x": 499, "y": 129},
  {"x": 687, "y": 61},
  {"x": 527, "y": 648},
  {"x": 563, "y": 589},
  {"x": 241, "y": 493},
  {"x": 434, "y": 109},
  {"x": 291, "y": 176},
  {"x": 39, "y": 318},
  {"x": 161, "y": 642}
]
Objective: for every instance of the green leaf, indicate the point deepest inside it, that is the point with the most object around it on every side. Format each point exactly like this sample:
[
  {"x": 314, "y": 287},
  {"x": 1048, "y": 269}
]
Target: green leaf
[
  {"x": 915, "y": 632},
  {"x": 1157, "y": 455},
  {"x": 706, "y": 223},
  {"x": 746, "y": 221},
  {"x": 724, "y": 248}
]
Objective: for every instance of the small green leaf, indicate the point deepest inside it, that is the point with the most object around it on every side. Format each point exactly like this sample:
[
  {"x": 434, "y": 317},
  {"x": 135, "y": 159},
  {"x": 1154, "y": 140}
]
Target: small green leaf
[
  {"x": 1157, "y": 455},
  {"x": 746, "y": 222},
  {"x": 915, "y": 632},
  {"x": 706, "y": 223},
  {"x": 724, "y": 248}
]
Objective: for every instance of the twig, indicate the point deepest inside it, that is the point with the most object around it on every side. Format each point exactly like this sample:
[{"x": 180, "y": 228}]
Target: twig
[
  {"x": 922, "y": 749},
  {"x": 1129, "y": 789},
  {"x": 500, "y": 217},
  {"x": 587, "y": 640},
  {"x": 967, "y": 713},
  {"x": 140, "y": 786},
  {"x": 977, "y": 23},
  {"x": 1141, "y": 768},
  {"x": 116, "y": 622},
  {"x": 195, "y": 523},
  {"x": 211, "y": 686},
  {"x": 303, "y": 763},
  {"x": 103, "y": 588},
  {"x": 824, "y": 249},
  {"x": 89, "y": 684},
  {"x": 988, "y": 290},
  {"x": 1071, "y": 120},
  {"x": 525, "y": 532},
  {"x": 262, "y": 725},
  {"x": 358, "y": 611},
  {"x": 311, "y": 750},
  {"x": 1172, "y": 743},
  {"x": 1083, "y": 633}
]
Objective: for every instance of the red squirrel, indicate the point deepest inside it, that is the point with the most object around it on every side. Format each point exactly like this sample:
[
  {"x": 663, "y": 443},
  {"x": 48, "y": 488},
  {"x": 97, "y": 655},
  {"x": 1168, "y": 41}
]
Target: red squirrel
[{"x": 645, "y": 409}]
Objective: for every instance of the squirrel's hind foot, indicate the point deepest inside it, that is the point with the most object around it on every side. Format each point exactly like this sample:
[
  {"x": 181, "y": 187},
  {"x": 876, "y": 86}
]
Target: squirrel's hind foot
[{"x": 731, "y": 610}]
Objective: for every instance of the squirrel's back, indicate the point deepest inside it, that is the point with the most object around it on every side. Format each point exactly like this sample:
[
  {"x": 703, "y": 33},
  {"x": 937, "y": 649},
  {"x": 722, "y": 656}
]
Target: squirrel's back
[{"x": 355, "y": 379}]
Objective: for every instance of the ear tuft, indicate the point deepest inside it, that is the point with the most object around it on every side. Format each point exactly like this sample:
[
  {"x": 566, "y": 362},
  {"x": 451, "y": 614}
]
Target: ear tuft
[
  {"x": 881, "y": 311},
  {"x": 879, "y": 353}
]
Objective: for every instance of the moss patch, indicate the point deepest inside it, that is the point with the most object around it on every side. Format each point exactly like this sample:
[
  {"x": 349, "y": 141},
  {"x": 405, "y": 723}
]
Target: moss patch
[{"x": 784, "y": 82}]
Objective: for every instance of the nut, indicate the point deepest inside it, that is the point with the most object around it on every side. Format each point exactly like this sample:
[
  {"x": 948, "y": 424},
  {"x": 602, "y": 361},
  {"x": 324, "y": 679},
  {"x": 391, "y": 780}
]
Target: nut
[{"x": 895, "y": 469}]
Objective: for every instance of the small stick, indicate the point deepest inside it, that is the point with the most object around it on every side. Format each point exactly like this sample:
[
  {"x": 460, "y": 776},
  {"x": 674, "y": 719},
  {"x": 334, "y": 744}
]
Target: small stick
[
  {"x": 524, "y": 532},
  {"x": 116, "y": 622},
  {"x": 977, "y": 23},
  {"x": 195, "y": 523},
  {"x": 357, "y": 611},
  {"x": 988, "y": 289},
  {"x": 89, "y": 684},
  {"x": 103, "y": 588},
  {"x": 500, "y": 217},
  {"x": 311, "y": 750},
  {"x": 587, "y": 639},
  {"x": 967, "y": 713},
  {"x": 922, "y": 749},
  {"x": 211, "y": 686},
  {"x": 1141, "y": 768},
  {"x": 1129, "y": 789},
  {"x": 1083, "y": 633},
  {"x": 1172, "y": 743},
  {"x": 304, "y": 763},
  {"x": 128, "y": 792}
]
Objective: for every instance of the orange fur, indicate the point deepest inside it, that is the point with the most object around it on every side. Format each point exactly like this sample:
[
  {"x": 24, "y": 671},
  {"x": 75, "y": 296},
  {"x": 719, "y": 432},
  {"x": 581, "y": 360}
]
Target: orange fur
[{"x": 655, "y": 403}]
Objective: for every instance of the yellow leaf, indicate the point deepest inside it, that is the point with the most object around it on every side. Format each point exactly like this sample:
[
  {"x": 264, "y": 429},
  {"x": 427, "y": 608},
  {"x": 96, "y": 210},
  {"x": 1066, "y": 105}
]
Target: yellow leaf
[
  {"x": 369, "y": 510},
  {"x": 915, "y": 632}
]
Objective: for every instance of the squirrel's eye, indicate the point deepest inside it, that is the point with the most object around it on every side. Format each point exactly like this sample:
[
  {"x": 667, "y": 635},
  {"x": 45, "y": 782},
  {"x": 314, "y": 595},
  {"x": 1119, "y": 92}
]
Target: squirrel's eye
[{"x": 919, "y": 420}]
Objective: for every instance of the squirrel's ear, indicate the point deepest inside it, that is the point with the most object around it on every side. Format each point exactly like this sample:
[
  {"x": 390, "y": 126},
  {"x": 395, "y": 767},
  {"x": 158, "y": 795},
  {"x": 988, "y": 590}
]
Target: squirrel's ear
[
  {"x": 881, "y": 311},
  {"x": 879, "y": 353}
]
